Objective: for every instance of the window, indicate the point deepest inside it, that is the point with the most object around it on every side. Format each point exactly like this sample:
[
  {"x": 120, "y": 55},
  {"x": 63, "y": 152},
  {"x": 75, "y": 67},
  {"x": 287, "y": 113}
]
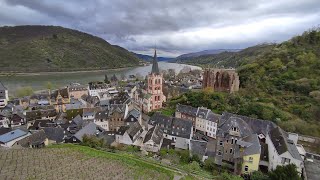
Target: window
[
  {"x": 232, "y": 141},
  {"x": 250, "y": 158},
  {"x": 285, "y": 161},
  {"x": 231, "y": 150},
  {"x": 221, "y": 143},
  {"x": 219, "y": 153},
  {"x": 246, "y": 168},
  {"x": 235, "y": 141}
]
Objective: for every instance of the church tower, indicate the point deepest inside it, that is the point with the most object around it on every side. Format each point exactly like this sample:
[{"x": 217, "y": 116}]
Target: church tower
[{"x": 155, "y": 81}]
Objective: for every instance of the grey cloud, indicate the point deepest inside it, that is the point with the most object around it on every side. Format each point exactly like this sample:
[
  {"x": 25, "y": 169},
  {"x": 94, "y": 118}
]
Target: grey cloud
[{"x": 140, "y": 24}]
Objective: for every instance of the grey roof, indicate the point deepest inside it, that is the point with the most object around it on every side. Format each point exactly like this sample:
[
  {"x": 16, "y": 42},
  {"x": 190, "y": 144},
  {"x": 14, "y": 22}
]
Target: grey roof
[
  {"x": 134, "y": 129},
  {"x": 231, "y": 122},
  {"x": 252, "y": 145},
  {"x": 171, "y": 125},
  {"x": 55, "y": 134},
  {"x": 258, "y": 126},
  {"x": 155, "y": 67},
  {"x": 186, "y": 109},
  {"x": 283, "y": 144},
  {"x": 74, "y": 106},
  {"x": 120, "y": 108},
  {"x": 38, "y": 124},
  {"x": 102, "y": 114},
  {"x": 136, "y": 113},
  {"x": 36, "y": 138},
  {"x": 4, "y": 130},
  {"x": 155, "y": 134},
  {"x": 89, "y": 129},
  {"x": 12, "y": 135},
  {"x": 131, "y": 118},
  {"x": 2, "y": 87},
  {"x": 198, "y": 147},
  {"x": 122, "y": 130},
  {"x": 88, "y": 111},
  {"x": 78, "y": 120}
]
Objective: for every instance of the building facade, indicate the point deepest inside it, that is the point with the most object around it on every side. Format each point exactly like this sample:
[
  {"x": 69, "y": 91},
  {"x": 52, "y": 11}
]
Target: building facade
[
  {"x": 4, "y": 96},
  {"x": 225, "y": 80}
]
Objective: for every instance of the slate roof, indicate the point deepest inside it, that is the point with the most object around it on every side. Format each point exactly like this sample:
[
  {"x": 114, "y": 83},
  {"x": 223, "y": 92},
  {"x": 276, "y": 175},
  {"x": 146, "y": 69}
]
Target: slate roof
[
  {"x": 243, "y": 127},
  {"x": 171, "y": 125},
  {"x": 155, "y": 134},
  {"x": 78, "y": 120},
  {"x": 120, "y": 108},
  {"x": 102, "y": 114},
  {"x": 54, "y": 133},
  {"x": 38, "y": 114},
  {"x": 36, "y": 138},
  {"x": 198, "y": 147},
  {"x": 2, "y": 87},
  {"x": 252, "y": 146},
  {"x": 258, "y": 126},
  {"x": 89, "y": 129},
  {"x": 136, "y": 113},
  {"x": 155, "y": 67},
  {"x": 186, "y": 109},
  {"x": 4, "y": 130},
  {"x": 134, "y": 129},
  {"x": 12, "y": 135},
  {"x": 114, "y": 78},
  {"x": 131, "y": 118},
  {"x": 122, "y": 130},
  {"x": 88, "y": 111},
  {"x": 282, "y": 144},
  {"x": 38, "y": 124}
]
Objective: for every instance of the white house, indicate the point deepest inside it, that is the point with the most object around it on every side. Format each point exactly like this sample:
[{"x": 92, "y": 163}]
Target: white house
[
  {"x": 4, "y": 96},
  {"x": 153, "y": 139},
  {"x": 4, "y": 121},
  {"x": 10, "y": 138},
  {"x": 101, "y": 119},
  {"x": 129, "y": 134},
  {"x": 282, "y": 151}
]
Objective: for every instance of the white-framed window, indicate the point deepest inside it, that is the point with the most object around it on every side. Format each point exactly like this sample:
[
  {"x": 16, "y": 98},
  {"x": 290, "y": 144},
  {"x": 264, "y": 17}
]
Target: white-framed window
[
  {"x": 246, "y": 168},
  {"x": 231, "y": 151}
]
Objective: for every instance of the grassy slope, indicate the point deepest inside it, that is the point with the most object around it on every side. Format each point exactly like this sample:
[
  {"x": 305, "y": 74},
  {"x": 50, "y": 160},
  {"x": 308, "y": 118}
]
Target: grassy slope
[
  {"x": 281, "y": 85},
  {"x": 52, "y": 48}
]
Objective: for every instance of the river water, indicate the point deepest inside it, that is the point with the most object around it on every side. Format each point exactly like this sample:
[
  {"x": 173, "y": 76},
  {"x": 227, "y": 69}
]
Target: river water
[{"x": 38, "y": 80}]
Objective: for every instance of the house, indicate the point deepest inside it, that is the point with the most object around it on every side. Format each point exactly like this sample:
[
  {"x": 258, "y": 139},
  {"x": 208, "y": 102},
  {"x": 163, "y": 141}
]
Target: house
[
  {"x": 4, "y": 121},
  {"x": 97, "y": 87},
  {"x": 89, "y": 129},
  {"x": 4, "y": 96},
  {"x": 39, "y": 124},
  {"x": 203, "y": 119},
  {"x": 114, "y": 80},
  {"x": 129, "y": 134},
  {"x": 36, "y": 140},
  {"x": 101, "y": 119},
  {"x": 54, "y": 134},
  {"x": 59, "y": 98},
  {"x": 199, "y": 148},
  {"x": 33, "y": 115},
  {"x": 17, "y": 119},
  {"x": 4, "y": 130},
  {"x": 249, "y": 154},
  {"x": 88, "y": 114},
  {"x": 77, "y": 90},
  {"x": 282, "y": 150},
  {"x": 153, "y": 139},
  {"x": 89, "y": 101},
  {"x": 178, "y": 130},
  {"x": 10, "y": 138},
  {"x": 117, "y": 113}
]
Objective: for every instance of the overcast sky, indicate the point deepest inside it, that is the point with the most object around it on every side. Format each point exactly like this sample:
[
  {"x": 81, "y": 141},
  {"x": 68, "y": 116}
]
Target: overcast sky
[{"x": 174, "y": 26}]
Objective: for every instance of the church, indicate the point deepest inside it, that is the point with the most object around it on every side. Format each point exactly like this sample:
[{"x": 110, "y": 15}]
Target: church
[{"x": 151, "y": 97}]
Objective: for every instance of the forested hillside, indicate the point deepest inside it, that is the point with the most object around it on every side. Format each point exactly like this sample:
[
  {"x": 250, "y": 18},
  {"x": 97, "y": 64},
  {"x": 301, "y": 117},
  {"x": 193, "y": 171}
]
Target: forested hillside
[
  {"x": 229, "y": 59},
  {"x": 53, "y": 48},
  {"x": 281, "y": 85}
]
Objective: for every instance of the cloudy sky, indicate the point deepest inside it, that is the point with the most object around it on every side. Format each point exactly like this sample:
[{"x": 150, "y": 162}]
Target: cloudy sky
[{"x": 174, "y": 26}]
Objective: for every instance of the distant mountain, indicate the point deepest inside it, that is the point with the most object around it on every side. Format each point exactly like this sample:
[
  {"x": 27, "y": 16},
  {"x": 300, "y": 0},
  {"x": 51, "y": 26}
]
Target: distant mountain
[
  {"x": 54, "y": 48},
  {"x": 150, "y": 58},
  {"x": 229, "y": 59},
  {"x": 205, "y": 52}
]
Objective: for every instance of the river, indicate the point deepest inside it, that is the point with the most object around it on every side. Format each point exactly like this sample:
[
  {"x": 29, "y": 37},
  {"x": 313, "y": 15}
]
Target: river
[{"x": 38, "y": 80}]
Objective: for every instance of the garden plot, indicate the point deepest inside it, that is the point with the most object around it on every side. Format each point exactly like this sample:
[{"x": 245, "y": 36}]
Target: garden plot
[{"x": 67, "y": 163}]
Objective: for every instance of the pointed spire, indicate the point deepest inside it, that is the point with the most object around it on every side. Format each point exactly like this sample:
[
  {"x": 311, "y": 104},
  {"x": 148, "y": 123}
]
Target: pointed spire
[{"x": 155, "y": 67}]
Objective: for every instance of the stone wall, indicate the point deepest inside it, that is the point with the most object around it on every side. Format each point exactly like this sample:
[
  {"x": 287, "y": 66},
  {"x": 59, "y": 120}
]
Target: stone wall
[{"x": 225, "y": 80}]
